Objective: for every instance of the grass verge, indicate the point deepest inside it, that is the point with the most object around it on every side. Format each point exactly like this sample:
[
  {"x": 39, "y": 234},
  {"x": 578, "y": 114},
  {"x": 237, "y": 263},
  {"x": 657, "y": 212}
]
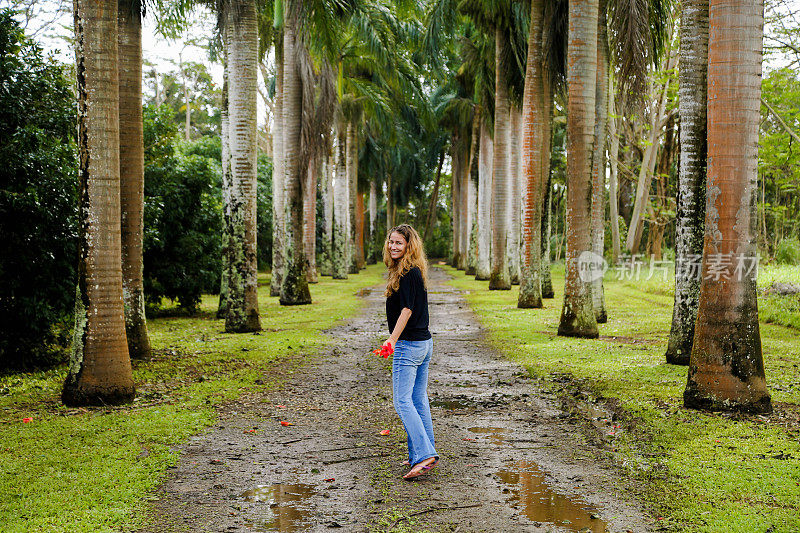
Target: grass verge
[
  {"x": 93, "y": 469},
  {"x": 696, "y": 471}
]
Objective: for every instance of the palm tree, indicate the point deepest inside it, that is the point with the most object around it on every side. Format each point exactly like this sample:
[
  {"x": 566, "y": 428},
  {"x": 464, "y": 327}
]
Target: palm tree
[
  {"x": 278, "y": 169},
  {"x": 99, "y": 368},
  {"x": 599, "y": 161},
  {"x": 726, "y": 369},
  {"x": 691, "y": 177},
  {"x": 577, "y": 315},
  {"x": 535, "y": 117},
  {"x": 294, "y": 286},
  {"x": 310, "y": 218},
  {"x": 241, "y": 34},
  {"x": 222, "y": 307},
  {"x": 515, "y": 196},
  {"x": 131, "y": 154},
  {"x": 341, "y": 196},
  {"x": 483, "y": 242},
  {"x": 499, "y": 278}
]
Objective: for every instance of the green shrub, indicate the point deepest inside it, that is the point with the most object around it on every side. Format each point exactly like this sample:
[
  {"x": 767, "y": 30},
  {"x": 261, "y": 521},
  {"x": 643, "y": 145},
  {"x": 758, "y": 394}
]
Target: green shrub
[
  {"x": 38, "y": 203},
  {"x": 787, "y": 252},
  {"x": 182, "y": 215}
]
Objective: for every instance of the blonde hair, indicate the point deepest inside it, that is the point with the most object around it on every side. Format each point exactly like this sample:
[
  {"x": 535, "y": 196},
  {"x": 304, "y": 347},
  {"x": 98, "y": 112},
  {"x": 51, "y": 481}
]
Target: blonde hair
[{"x": 414, "y": 256}]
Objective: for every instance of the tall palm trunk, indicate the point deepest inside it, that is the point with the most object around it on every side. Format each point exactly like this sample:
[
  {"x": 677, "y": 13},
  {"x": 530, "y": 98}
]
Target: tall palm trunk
[
  {"x": 472, "y": 195},
  {"x": 131, "y": 160},
  {"x": 222, "y": 307},
  {"x": 432, "y": 205},
  {"x": 278, "y": 179},
  {"x": 463, "y": 207},
  {"x": 499, "y": 278},
  {"x": 242, "y": 111},
  {"x": 577, "y": 315},
  {"x": 599, "y": 163},
  {"x": 534, "y": 179},
  {"x": 99, "y": 367},
  {"x": 726, "y": 370},
  {"x": 691, "y": 177},
  {"x": 340, "y": 205},
  {"x": 373, "y": 221},
  {"x": 389, "y": 203},
  {"x": 359, "y": 227},
  {"x": 455, "y": 211},
  {"x": 613, "y": 153},
  {"x": 547, "y": 224},
  {"x": 326, "y": 269},
  {"x": 483, "y": 243},
  {"x": 351, "y": 150},
  {"x": 515, "y": 198},
  {"x": 294, "y": 286},
  {"x": 310, "y": 219}
]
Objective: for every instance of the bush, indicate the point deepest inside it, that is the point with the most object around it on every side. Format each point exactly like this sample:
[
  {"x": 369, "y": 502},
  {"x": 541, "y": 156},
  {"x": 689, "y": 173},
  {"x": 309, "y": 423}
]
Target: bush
[
  {"x": 264, "y": 215},
  {"x": 38, "y": 203},
  {"x": 182, "y": 215},
  {"x": 788, "y": 251}
]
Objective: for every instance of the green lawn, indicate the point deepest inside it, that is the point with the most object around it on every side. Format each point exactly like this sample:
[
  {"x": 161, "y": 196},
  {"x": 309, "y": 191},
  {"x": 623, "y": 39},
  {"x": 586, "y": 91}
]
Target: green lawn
[
  {"x": 92, "y": 469},
  {"x": 697, "y": 471}
]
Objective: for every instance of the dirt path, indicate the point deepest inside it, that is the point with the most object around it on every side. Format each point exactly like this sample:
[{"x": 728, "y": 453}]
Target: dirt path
[{"x": 512, "y": 460}]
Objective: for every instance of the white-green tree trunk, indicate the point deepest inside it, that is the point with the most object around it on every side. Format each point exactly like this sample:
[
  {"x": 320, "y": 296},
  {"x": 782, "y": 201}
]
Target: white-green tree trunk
[
  {"x": 326, "y": 268},
  {"x": 515, "y": 198},
  {"x": 501, "y": 169},
  {"x": 222, "y": 307},
  {"x": 341, "y": 201},
  {"x": 484, "y": 222}
]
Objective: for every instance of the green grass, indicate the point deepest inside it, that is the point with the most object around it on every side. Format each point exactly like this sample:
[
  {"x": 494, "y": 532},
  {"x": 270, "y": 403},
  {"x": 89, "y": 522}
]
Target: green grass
[
  {"x": 697, "y": 471},
  {"x": 93, "y": 469}
]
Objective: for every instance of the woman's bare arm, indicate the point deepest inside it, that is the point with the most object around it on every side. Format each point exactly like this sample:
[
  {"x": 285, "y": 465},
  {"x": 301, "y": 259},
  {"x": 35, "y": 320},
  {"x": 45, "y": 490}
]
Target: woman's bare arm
[{"x": 405, "y": 314}]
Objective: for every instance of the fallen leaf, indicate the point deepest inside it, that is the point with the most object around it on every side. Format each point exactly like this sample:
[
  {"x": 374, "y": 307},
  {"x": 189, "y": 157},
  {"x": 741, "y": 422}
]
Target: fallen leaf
[
  {"x": 330, "y": 479},
  {"x": 386, "y": 431},
  {"x": 281, "y": 406},
  {"x": 285, "y": 423},
  {"x": 26, "y": 420}
]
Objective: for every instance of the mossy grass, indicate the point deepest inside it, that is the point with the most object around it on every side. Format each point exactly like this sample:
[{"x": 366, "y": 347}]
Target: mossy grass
[
  {"x": 93, "y": 469},
  {"x": 696, "y": 471}
]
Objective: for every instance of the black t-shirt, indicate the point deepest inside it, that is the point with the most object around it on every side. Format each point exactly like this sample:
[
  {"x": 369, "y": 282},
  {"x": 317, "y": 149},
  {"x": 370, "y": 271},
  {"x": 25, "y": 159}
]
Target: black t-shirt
[{"x": 411, "y": 294}]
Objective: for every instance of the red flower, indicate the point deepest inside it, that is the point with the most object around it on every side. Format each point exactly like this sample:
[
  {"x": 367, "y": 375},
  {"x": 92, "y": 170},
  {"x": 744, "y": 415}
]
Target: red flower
[
  {"x": 385, "y": 351},
  {"x": 285, "y": 423},
  {"x": 26, "y": 420}
]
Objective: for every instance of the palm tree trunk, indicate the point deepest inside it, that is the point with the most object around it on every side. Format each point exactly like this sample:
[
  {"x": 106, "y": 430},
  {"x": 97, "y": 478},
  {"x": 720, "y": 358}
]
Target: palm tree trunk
[
  {"x": 483, "y": 243},
  {"x": 242, "y": 112},
  {"x": 131, "y": 155},
  {"x": 690, "y": 222},
  {"x": 222, "y": 307},
  {"x": 351, "y": 148},
  {"x": 534, "y": 116},
  {"x": 360, "y": 257},
  {"x": 499, "y": 278},
  {"x": 310, "y": 219},
  {"x": 389, "y": 203},
  {"x": 577, "y": 315},
  {"x": 455, "y": 212},
  {"x": 340, "y": 205},
  {"x": 294, "y": 286},
  {"x": 472, "y": 194},
  {"x": 515, "y": 198},
  {"x": 726, "y": 370},
  {"x": 278, "y": 179},
  {"x": 99, "y": 367},
  {"x": 547, "y": 224},
  {"x": 327, "y": 202},
  {"x": 373, "y": 222},
  {"x": 463, "y": 207},
  {"x": 599, "y": 164}
]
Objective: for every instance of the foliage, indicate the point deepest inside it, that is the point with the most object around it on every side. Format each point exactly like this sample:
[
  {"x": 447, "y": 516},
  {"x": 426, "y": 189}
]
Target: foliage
[
  {"x": 182, "y": 215},
  {"x": 264, "y": 215},
  {"x": 788, "y": 251},
  {"x": 698, "y": 471},
  {"x": 38, "y": 202},
  {"x": 125, "y": 452}
]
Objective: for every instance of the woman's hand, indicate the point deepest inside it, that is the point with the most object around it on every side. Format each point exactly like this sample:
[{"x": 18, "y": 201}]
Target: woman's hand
[{"x": 391, "y": 342}]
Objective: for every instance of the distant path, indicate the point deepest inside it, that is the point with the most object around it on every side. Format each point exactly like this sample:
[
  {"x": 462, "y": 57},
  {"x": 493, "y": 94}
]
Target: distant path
[{"x": 512, "y": 460}]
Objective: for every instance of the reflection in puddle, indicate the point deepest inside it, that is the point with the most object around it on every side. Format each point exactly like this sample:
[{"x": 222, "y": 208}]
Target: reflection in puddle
[
  {"x": 283, "y": 500},
  {"x": 539, "y": 503},
  {"x": 496, "y": 435},
  {"x": 453, "y": 404}
]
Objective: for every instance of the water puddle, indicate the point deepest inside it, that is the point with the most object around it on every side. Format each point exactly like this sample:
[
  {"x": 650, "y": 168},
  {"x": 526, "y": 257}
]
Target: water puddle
[
  {"x": 284, "y": 503},
  {"x": 534, "y": 498},
  {"x": 453, "y": 405},
  {"x": 497, "y": 436}
]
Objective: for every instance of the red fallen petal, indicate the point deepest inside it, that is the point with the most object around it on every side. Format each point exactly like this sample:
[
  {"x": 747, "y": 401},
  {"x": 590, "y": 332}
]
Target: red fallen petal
[
  {"x": 285, "y": 423},
  {"x": 329, "y": 479},
  {"x": 281, "y": 406},
  {"x": 468, "y": 439},
  {"x": 249, "y": 430},
  {"x": 26, "y": 420},
  {"x": 471, "y": 465},
  {"x": 386, "y": 431}
]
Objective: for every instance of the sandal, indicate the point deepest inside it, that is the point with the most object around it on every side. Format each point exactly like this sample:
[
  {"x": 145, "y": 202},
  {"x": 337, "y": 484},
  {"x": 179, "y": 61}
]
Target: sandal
[{"x": 416, "y": 472}]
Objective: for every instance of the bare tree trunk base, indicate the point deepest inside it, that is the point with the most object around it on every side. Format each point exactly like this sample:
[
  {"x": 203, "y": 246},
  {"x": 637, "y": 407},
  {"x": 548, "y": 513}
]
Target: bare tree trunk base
[
  {"x": 708, "y": 401},
  {"x": 470, "y": 271},
  {"x": 138, "y": 342},
  {"x": 581, "y": 324},
  {"x": 498, "y": 282},
  {"x": 75, "y": 395},
  {"x": 529, "y": 301},
  {"x": 295, "y": 293}
]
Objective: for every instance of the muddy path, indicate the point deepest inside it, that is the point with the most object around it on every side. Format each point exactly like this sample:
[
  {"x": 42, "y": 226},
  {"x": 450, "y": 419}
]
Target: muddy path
[{"x": 512, "y": 459}]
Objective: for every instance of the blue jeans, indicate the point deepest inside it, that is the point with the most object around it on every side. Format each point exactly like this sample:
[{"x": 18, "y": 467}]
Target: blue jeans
[{"x": 410, "y": 391}]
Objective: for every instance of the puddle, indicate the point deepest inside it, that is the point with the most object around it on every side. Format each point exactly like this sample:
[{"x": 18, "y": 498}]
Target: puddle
[
  {"x": 534, "y": 498},
  {"x": 453, "y": 404},
  {"x": 283, "y": 503},
  {"x": 600, "y": 418},
  {"x": 496, "y": 435}
]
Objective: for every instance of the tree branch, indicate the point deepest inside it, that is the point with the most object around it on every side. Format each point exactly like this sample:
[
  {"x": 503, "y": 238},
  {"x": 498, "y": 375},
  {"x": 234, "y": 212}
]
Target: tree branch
[{"x": 780, "y": 120}]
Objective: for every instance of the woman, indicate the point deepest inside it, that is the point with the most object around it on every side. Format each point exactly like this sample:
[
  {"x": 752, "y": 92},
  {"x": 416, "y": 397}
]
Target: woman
[{"x": 407, "y": 315}]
